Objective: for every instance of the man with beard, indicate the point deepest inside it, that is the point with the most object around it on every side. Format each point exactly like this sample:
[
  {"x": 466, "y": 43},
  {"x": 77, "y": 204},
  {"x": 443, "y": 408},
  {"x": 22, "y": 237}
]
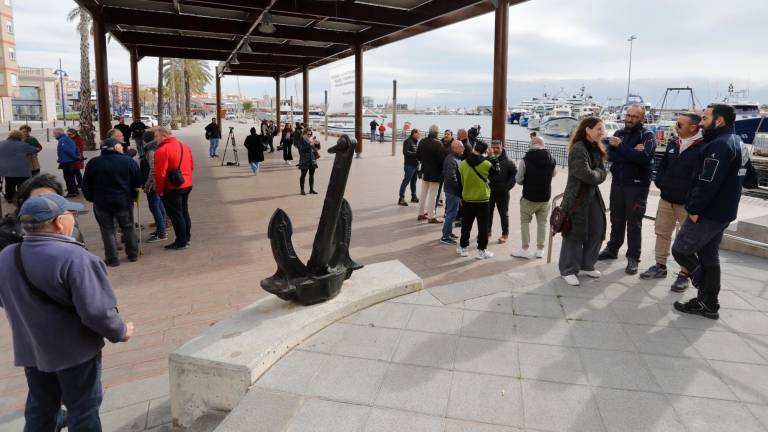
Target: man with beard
[
  {"x": 631, "y": 152},
  {"x": 712, "y": 205}
]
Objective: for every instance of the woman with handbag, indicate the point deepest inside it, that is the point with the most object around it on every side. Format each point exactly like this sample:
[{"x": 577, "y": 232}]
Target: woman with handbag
[
  {"x": 308, "y": 153},
  {"x": 581, "y": 215}
]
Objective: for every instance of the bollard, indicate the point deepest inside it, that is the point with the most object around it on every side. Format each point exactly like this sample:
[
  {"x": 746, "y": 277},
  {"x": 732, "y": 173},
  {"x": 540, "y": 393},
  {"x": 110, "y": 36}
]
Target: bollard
[
  {"x": 9, "y": 125},
  {"x": 48, "y": 134},
  {"x": 41, "y": 123}
]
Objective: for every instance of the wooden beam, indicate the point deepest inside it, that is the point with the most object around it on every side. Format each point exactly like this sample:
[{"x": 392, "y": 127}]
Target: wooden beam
[
  {"x": 218, "y": 99},
  {"x": 500, "y": 52},
  {"x": 305, "y": 94},
  {"x": 359, "y": 98},
  {"x": 352, "y": 13},
  {"x": 174, "y": 41},
  {"x": 277, "y": 103},
  {"x": 102, "y": 77},
  {"x": 183, "y": 53},
  {"x": 135, "y": 108}
]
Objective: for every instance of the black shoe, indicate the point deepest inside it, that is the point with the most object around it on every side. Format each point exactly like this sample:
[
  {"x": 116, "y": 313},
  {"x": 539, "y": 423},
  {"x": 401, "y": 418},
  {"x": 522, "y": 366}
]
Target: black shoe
[
  {"x": 303, "y": 193},
  {"x": 607, "y": 254},
  {"x": 632, "y": 264},
  {"x": 655, "y": 272},
  {"x": 115, "y": 263},
  {"x": 133, "y": 258},
  {"x": 401, "y": 202},
  {"x": 174, "y": 246},
  {"x": 454, "y": 236},
  {"x": 681, "y": 283},
  {"x": 314, "y": 192},
  {"x": 695, "y": 307},
  {"x": 414, "y": 200},
  {"x": 448, "y": 241}
]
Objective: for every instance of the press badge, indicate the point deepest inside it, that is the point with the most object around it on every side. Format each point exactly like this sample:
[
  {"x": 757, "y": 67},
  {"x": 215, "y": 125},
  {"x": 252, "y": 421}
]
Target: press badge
[
  {"x": 742, "y": 172},
  {"x": 709, "y": 169}
]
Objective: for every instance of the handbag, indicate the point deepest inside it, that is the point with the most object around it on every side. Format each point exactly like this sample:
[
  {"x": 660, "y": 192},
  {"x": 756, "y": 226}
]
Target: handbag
[
  {"x": 175, "y": 176},
  {"x": 315, "y": 152},
  {"x": 560, "y": 220}
]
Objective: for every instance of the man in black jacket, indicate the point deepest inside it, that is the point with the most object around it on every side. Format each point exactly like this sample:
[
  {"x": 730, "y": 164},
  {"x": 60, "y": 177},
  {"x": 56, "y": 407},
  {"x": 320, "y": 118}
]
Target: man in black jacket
[
  {"x": 501, "y": 184},
  {"x": 213, "y": 135},
  {"x": 631, "y": 152},
  {"x": 137, "y": 134},
  {"x": 410, "y": 166},
  {"x": 110, "y": 182},
  {"x": 712, "y": 205},
  {"x": 674, "y": 178},
  {"x": 430, "y": 153},
  {"x": 126, "y": 131}
]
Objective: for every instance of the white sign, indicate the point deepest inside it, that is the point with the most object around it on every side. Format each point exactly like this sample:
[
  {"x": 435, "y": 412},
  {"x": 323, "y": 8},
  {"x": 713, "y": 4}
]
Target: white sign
[{"x": 341, "y": 97}]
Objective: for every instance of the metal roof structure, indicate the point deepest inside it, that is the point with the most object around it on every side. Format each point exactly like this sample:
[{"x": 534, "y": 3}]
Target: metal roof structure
[{"x": 307, "y": 33}]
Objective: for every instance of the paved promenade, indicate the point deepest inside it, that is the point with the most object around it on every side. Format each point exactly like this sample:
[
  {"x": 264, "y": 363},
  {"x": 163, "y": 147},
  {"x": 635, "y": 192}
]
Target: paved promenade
[{"x": 174, "y": 296}]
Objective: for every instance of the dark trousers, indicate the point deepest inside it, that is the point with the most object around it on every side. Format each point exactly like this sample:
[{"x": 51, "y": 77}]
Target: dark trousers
[
  {"x": 78, "y": 177},
  {"x": 697, "y": 248},
  {"x": 106, "y": 219},
  {"x": 11, "y": 185},
  {"x": 78, "y": 387},
  {"x": 68, "y": 170},
  {"x": 472, "y": 211},
  {"x": 304, "y": 171},
  {"x": 287, "y": 155},
  {"x": 500, "y": 200},
  {"x": 409, "y": 178},
  {"x": 268, "y": 141},
  {"x": 627, "y": 211},
  {"x": 176, "y": 203},
  {"x": 581, "y": 254}
]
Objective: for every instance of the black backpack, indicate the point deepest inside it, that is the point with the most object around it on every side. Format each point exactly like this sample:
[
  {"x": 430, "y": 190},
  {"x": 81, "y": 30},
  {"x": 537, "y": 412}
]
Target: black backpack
[{"x": 10, "y": 231}]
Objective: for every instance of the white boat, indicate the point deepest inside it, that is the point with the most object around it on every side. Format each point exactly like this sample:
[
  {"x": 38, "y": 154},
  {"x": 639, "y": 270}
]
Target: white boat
[
  {"x": 611, "y": 127},
  {"x": 561, "y": 127},
  {"x": 534, "y": 122}
]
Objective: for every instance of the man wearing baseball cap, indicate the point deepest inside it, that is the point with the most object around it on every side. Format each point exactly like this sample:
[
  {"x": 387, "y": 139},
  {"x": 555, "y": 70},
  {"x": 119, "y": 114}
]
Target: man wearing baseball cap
[{"x": 60, "y": 307}]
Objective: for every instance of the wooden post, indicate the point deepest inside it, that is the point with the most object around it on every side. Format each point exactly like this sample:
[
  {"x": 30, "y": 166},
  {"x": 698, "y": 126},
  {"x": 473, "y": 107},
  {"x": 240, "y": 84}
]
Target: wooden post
[
  {"x": 102, "y": 78},
  {"x": 325, "y": 112},
  {"x": 135, "y": 108},
  {"x": 218, "y": 99},
  {"x": 500, "y": 72},
  {"x": 394, "y": 117},
  {"x": 305, "y": 95},
  {"x": 277, "y": 101},
  {"x": 359, "y": 98}
]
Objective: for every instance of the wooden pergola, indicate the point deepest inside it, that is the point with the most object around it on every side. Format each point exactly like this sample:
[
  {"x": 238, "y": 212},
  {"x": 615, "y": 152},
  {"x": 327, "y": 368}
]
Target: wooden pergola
[{"x": 280, "y": 38}]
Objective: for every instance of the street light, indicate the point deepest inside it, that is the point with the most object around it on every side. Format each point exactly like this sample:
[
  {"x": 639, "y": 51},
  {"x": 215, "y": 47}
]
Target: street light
[
  {"x": 629, "y": 79},
  {"x": 60, "y": 72}
]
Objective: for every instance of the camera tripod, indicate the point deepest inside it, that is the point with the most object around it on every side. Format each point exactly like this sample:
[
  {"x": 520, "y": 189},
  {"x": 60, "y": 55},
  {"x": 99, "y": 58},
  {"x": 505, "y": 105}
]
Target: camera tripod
[{"x": 230, "y": 137}]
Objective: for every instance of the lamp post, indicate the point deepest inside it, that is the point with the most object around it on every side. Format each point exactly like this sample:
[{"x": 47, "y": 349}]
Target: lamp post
[
  {"x": 629, "y": 79},
  {"x": 60, "y": 72}
]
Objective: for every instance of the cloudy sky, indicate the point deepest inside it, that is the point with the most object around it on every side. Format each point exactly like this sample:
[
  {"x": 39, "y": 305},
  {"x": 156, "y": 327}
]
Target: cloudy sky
[{"x": 553, "y": 45}]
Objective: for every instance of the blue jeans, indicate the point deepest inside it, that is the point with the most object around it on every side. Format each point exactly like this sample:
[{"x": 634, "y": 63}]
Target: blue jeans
[
  {"x": 451, "y": 211},
  {"x": 214, "y": 145},
  {"x": 373, "y": 135},
  {"x": 158, "y": 212},
  {"x": 139, "y": 145},
  {"x": 255, "y": 167},
  {"x": 410, "y": 177},
  {"x": 78, "y": 387}
]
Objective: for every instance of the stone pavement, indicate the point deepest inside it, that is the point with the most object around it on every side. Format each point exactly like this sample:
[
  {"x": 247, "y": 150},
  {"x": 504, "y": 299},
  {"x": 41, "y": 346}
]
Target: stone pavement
[
  {"x": 174, "y": 296},
  {"x": 523, "y": 351}
]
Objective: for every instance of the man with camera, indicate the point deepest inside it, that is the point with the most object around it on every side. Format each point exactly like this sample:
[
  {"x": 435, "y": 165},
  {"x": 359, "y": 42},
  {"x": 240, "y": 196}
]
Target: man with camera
[
  {"x": 213, "y": 135},
  {"x": 173, "y": 182}
]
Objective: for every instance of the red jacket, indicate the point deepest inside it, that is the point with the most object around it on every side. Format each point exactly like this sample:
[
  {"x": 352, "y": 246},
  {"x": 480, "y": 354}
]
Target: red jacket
[
  {"x": 167, "y": 157},
  {"x": 80, "y": 146}
]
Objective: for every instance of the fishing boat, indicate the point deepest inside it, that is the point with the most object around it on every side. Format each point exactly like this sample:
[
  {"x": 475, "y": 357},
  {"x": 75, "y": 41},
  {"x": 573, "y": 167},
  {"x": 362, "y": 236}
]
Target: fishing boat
[
  {"x": 749, "y": 120},
  {"x": 560, "y": 123}
]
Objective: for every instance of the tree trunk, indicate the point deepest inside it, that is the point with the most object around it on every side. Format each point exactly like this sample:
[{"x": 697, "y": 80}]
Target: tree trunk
[
  {"x": 182, "y": 94},
  {"x": 87, "y": 130},
  {"x": 187, "y": 94},
  {"x": 160, "y": 101},
  {"x": 174, "y": 96}
]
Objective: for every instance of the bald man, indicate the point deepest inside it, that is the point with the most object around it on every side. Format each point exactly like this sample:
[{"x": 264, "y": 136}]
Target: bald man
[
  {"x": 631, "y": 152},
  {"x": 452, "y": 190}
]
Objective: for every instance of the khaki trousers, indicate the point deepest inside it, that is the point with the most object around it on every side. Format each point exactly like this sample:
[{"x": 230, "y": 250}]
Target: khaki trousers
[
  {"x": 428, "y": 199},
  {"x": 527, "y": 210},
  {"x": 668, "y": 215}
]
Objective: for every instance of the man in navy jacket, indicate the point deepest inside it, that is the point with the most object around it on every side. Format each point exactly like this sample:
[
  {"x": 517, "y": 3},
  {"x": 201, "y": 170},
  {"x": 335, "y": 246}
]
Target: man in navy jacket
[
  {"x": 631, "y": 153},
  {"x": 68, "y": 155},
  {"x": 712, "y": 205}
]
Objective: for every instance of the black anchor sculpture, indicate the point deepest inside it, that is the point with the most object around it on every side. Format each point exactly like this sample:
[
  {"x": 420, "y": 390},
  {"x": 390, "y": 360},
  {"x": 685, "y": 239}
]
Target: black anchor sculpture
[{"x": 330, "y": 264}]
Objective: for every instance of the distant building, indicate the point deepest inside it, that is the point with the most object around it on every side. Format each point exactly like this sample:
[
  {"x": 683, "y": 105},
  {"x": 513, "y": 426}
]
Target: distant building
[
  {"x": 368, "y": 102},
  {"x": 9, "y": 69}
]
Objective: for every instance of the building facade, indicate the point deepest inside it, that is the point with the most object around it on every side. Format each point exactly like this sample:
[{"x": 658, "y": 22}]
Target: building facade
[{"x": 9, "y": 69}]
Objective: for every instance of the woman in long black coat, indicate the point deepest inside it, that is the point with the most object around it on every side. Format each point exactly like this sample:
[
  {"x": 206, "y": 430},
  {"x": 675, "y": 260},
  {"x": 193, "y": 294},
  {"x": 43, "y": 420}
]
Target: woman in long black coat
[
  {"x": 307, "y": 162},
  {"x": 255, "y": 147},
  {"x": 286, "y": 142}
]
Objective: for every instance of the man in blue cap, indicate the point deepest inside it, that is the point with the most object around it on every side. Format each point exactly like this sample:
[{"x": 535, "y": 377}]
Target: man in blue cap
[{"x": 60, "y": 307}]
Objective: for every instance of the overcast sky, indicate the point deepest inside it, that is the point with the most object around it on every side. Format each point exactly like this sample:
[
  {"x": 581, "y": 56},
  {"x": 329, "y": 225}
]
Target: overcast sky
[{"x": 553, "y": 44}]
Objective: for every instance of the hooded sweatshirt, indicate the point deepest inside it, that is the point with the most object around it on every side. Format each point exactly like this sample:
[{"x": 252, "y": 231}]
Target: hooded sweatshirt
[{"x": 475, "y": 189}]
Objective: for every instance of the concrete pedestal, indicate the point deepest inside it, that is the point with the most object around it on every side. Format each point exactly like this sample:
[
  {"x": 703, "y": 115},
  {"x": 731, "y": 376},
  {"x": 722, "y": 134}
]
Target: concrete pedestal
[{"x": 214, "y": 371}]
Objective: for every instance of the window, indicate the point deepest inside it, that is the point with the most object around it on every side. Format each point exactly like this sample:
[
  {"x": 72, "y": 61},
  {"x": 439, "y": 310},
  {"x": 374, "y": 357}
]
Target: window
[
  {"x": 2, "y": 78},
  {"x": 9, "y": 26},
  {"x": 12, "y": 54},
  {"x": 14, "y": 80}
]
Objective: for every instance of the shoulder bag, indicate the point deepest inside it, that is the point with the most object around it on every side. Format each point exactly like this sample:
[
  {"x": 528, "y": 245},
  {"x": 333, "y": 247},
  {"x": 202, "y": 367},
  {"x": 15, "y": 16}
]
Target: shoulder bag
[
  {"x": 560, "y": 220},
  {"x": 174, "y": 175}
]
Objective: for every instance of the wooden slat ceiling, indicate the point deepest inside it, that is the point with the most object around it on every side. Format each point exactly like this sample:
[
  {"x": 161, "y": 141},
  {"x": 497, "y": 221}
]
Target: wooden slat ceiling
[{"x": 309, "y": 32}]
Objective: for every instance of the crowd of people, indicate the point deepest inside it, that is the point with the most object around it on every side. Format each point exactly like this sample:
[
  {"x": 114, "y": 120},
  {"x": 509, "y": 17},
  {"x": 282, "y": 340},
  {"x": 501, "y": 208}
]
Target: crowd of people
[{"x": 699, "y": 176}]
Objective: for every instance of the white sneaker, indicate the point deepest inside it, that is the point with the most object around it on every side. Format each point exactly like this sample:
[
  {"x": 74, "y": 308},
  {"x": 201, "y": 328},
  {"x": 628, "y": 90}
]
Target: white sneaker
[
  {"x": 571, "y": 280},
  {"x": 462, "y": 251},
  {"x": 539, "y": 253},
  {"x": 522, "y": 253},
  {"x": 591, "y": 273},
  {"x": 484, "y": 254}
]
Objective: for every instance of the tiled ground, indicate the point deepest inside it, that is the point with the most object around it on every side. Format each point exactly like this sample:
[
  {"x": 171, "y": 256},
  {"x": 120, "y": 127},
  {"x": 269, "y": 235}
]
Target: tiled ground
[{"x": 523, "y": 351}]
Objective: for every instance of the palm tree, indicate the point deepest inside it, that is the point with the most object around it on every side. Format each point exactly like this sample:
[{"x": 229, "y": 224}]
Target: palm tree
[
  {"x": 197, "y": 75},
  {"x": 184, "y": 77},
  {"x": 87, "y": 130}
]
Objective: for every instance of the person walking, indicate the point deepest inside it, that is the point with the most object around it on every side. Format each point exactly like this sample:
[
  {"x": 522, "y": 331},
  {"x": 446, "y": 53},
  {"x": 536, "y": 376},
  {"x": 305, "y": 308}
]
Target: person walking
[
  {"x": 126, "y": 131},
  {"x": 712, "y": 204},
  {"x": 80, "y": 164},
  {"x": 308, "y": 153},
  {"x": 60, "y": 307},
  {"x": 382, "y": 129},
  {"x": 430, "y": 153},
  {"x": 31, "y": 140},
  {"x": 174, "y": 167},
  {"x": 15, "y": 166},
  {"x": 137, "y": 134},
  {"x": 156, "y": 207},
  {"x": 475, "y": 173},
  {"x": 266, "y": 136},
  {"x": 674, "y": 178},
  {"x": 374, "y": 125},
  {"x": 452, "y": 190},
  {"x": 501, "y": 185},
  {"x": 68, "y": 156},
  {"x": 583, "y": 202},
  {"x": 286, "y": 143},
  {"x": 631, "y": 153},
  {"x": 410, "y": 167},
  {"x": 111, "y": 182},
  {"x": 534, "y": 172},
  {"x": 213, "y": 135},
  {"x": 255, "y": 146}
]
